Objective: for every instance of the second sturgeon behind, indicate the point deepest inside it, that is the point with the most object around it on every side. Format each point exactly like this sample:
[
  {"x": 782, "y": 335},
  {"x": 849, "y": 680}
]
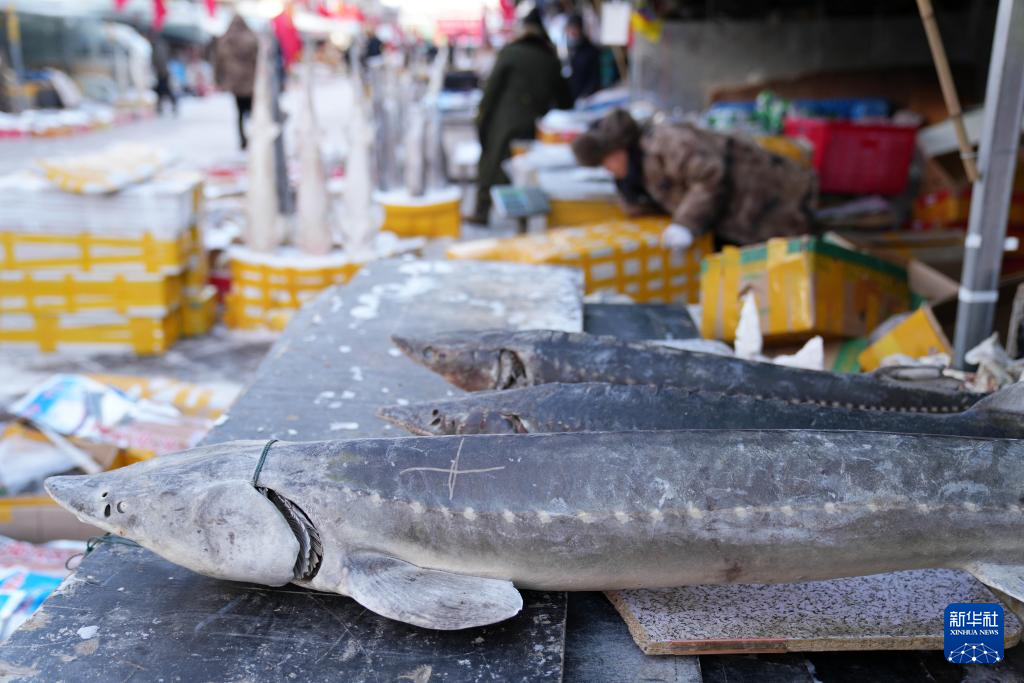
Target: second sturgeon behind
[
  {"x": 597, "y": 407},
  {"x": 503, "y": 359}
]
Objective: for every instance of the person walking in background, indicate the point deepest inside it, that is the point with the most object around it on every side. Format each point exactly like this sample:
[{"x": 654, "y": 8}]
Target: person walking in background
[
  {"x": 584, "y": 60},
  {"x": 373, "y": 48},
  {"x": 235, "y": 68},
  {"x": 162, "y": 69},
  {"x": 525, "y": 83},
  {"x": 707, "y": 181}
]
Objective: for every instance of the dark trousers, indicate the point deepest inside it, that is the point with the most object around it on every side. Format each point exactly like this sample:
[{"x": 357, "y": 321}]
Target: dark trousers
[
  {"x": 164, "y": 92},
  {"x": 244, "y": 104}
]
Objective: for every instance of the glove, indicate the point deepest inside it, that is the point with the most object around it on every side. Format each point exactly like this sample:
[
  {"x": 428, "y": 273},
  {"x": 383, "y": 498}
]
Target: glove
[{"x": 677, "y": 237}]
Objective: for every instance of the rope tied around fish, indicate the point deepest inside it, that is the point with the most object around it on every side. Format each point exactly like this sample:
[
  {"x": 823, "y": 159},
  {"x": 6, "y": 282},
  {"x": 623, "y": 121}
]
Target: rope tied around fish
[{"x": 261, "y": 462}]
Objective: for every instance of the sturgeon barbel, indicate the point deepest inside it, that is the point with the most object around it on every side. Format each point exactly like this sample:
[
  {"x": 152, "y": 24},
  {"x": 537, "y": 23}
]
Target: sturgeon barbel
[
  {"x": 502, "y": 359},
  {"x": 441, "y": 531},
  {"x": 601, "y": 407}
]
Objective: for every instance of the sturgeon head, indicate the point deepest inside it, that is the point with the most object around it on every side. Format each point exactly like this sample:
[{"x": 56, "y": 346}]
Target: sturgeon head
[
  {"x": 199, "y": 509},
  {"x": 474, "y": 361},
  {"x": 446, "y": 418}
]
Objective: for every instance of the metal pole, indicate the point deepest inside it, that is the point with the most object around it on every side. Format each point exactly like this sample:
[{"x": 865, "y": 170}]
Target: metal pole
[{"x": 990, "y": 203}]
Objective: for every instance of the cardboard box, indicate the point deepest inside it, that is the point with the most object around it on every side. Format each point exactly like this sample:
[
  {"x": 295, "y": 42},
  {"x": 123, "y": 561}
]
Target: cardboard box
[
  {"x": 37, "y": 519},
  {"x": 916, "y": 336},
  {"x": 803, "y": 286}
]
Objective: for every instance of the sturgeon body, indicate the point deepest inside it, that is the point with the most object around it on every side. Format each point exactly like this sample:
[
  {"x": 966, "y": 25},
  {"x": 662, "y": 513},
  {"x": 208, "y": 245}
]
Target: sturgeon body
[
  {"x": 439, "y": 531},
  {"x": 600, "y": 407},
  {"x": 502, "y": 359}
]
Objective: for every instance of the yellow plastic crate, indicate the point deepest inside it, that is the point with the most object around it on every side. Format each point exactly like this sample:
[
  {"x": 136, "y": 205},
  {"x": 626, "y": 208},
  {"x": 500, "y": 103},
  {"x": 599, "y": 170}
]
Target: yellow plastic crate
[
  {"x": 266, "y": 288},
  {"x": 803, "y": 286},
  {"x": 625, "y": 257},
  {"x": 87, "y": 252},
  {"x": 108, "y": 331},
  {"x": 436, "y": 215},
  {"x": 197, "y": 274},
  {"x": 70, "y": 292},
  {"x": 573, "y": 212},
  {"x": 199, "y": 312}
]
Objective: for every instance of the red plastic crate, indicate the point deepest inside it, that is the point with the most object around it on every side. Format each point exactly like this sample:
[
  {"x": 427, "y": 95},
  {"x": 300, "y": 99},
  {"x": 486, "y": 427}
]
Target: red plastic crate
[{"x": 853, "y": 158}]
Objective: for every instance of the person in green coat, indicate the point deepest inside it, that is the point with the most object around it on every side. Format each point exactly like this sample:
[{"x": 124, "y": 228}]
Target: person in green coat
[{"x": 525, "y": 84}]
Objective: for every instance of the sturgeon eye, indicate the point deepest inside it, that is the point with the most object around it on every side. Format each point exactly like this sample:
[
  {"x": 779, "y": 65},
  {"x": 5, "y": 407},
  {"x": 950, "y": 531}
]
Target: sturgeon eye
[{"x": 121, "y": 507}]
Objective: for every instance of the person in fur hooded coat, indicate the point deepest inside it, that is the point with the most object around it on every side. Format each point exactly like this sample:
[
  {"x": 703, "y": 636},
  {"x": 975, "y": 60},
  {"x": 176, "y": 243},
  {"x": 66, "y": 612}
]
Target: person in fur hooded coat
[{"x": 707, "y": 181}]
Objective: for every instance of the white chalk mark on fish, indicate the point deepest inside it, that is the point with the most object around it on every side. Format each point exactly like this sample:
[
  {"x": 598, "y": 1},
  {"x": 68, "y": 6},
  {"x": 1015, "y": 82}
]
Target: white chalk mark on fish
[
  {"x": 453, "y": 472},
  {"x": 337, "y": 426}
]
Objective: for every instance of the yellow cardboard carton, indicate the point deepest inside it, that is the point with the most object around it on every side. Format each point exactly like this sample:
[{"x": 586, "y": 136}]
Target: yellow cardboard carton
[
  {"x": 917, "y": 335},
  {"x": 803, "y": 286}
]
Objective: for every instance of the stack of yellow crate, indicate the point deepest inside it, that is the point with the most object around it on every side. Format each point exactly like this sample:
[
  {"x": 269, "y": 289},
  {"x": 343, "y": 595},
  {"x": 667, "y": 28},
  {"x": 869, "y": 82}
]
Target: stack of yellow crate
[
  {"x": 266, "y": 289},
  {"x": 118, "y": 271},
  {"x": 625, "y": 257}
]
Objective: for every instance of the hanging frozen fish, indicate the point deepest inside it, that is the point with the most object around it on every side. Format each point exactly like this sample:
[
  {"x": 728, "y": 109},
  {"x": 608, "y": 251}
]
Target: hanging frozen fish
[
  {"x": 502, "y": 359},
  {"x": 441, "y": 531},
  {"x": 314, "y": 228},
  {"x": 263, "y": 225},
  {"x": 433, "y": 154},
  {"x": 358, "y": 226},
  {"x": 598, "y": 407},
  {"x": 415, "y": 134}
]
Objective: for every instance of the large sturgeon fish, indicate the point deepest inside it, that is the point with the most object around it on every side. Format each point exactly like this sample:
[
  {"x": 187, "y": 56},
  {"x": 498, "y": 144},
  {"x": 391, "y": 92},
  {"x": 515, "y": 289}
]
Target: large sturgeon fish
[
  {"x": 502, "y": 359},
  {"x": 599, "y": 407},
  {"x": 440, "y": 531}
]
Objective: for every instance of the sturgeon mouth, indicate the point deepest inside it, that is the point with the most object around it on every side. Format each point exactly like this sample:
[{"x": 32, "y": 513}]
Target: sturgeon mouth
[{"x": 311, "y": 552}]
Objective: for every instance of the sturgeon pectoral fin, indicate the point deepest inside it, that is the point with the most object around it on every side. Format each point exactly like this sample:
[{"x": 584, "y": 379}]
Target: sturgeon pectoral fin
[
  {"x": 1005, "y": 578},
  {"x": 1008, "y": 400},
  {"x": 428, "y": 597}
]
